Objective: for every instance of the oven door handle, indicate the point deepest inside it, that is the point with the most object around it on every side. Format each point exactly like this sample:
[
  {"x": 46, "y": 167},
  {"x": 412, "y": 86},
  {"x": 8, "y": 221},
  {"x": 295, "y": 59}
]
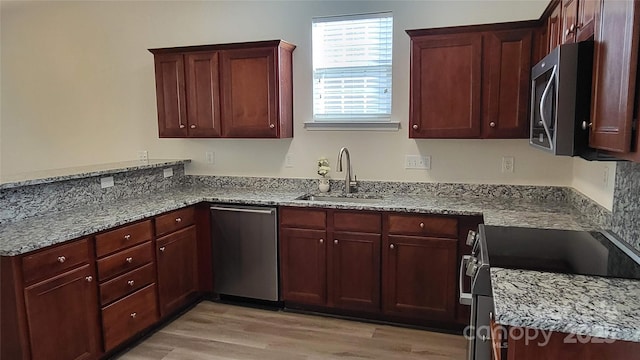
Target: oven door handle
[{"x": 465, "y": 298}]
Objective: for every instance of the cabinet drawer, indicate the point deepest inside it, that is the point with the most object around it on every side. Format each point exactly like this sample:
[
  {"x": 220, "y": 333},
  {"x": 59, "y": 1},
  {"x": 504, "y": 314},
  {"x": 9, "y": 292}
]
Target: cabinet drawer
[
  {"x": 123, "y": 319},
  {"x": 125, "y": 260},
  {"x": 303, "y": 218},
  {"x": 357, "y": 222},
  {"x": 55, "y": 260},
  {"x": 126, "y": 284},
  {"x": 424, "y": 225},
  {"x": 123, "y": 237},
  {"x": 174, "y": 220}
]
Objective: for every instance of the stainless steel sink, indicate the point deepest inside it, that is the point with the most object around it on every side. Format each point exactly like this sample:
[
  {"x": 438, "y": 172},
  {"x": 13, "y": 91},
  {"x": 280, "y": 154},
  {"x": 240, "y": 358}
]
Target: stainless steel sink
[{"x": 351, "y": 199}]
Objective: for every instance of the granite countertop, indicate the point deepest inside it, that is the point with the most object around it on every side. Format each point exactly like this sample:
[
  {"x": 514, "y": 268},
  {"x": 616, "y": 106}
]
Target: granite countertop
[
  {"x": 38, "y": 232},
  {"x": 585, "y": 305}
]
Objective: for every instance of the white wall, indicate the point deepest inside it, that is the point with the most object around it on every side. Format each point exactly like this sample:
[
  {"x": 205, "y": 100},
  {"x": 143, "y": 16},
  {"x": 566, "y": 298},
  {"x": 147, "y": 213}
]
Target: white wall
[
  {"x": 596, "y": 179},
  {"x": 79, "y": 89}
]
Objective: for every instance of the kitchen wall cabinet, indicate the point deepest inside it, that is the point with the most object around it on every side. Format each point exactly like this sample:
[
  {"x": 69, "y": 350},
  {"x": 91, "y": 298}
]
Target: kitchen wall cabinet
[
  {"x": 242, "y": 90},
  {"x": 470, "y": 82},
  {"x": 422, "y": 250},
  {"x": 578, "y": 19},
  {"x": 554, "y": 27},
  {"x": 614, "y": 93}
]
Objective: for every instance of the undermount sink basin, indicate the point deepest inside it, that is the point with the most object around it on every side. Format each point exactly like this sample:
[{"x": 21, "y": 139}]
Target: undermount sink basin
[{"x": 351, "y": 199}]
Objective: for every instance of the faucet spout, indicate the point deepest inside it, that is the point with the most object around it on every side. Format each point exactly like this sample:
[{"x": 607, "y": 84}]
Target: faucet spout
[{"x": 348, "y": 183}]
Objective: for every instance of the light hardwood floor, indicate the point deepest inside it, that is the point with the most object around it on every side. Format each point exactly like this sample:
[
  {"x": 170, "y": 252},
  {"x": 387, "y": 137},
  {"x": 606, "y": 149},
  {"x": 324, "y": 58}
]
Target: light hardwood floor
[{"x": 219, "y": 331}]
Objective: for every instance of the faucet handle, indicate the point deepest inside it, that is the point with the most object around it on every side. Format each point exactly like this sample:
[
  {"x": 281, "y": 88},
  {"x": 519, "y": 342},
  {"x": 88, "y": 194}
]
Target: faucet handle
[{"x": 354, "y": 182}]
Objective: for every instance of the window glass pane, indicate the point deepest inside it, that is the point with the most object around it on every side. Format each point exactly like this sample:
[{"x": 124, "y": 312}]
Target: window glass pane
[{"x": 352, "y": 67}]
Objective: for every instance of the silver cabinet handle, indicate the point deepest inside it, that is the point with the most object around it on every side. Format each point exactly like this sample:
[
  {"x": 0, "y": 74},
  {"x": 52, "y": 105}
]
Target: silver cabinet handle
[
  {"x": 321, "y": 241},
  {"x": 415, "y": 127},
  {"x": 130, "y": 282},
  {"x": 89, "y": 278},
  {"x": 127, "y": 237},
  {"x": 422, "y": 225},
  {"x": 162, "y": 249},
  {"x": 586, "y": 125},
  {"x": 271, "y": 126},
  {"x": 335, "y": 242},
  {"x": 492, "y": 124},
  {"x": 133, "y": 315},
  {"x": 392, "y": 246},
  {"x": 572, "y": 28},
  {"x": 129, "y": 260},
  {"x": 567, "y": 32},
  {"x": 61, "y": 259},
  {"x": 181, "y": 126},
  {"x": 192, "y": 126},
  {"x": 178, "y": 220}
]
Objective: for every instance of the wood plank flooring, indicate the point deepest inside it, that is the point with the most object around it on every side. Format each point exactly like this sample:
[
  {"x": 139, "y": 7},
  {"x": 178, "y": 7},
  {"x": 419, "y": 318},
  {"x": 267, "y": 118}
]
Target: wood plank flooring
[{"x": 220, "y": 331}]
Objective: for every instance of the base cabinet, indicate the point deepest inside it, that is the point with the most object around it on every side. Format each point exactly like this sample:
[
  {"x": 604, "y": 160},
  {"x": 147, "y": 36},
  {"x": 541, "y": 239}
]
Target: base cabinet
[
  {"x": 303, "y": 266},
  {"x": 62, "y": 316}
]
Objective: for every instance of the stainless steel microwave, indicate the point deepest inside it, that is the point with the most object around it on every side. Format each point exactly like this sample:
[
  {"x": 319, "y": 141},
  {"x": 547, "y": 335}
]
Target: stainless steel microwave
[{"x": 561, "y": 100}]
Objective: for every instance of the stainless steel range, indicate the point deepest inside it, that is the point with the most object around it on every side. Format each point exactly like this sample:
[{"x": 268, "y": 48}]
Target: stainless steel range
[{"x": 557, "y": 251}]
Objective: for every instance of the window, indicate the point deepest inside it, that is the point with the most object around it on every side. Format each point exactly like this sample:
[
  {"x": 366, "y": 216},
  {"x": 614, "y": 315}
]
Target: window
[{"x": 352, "y": 69}]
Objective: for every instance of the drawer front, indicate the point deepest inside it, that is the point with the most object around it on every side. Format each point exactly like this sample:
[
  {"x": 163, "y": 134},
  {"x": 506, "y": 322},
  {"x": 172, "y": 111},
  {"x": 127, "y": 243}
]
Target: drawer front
[
  {"x": 174, "y": 220},
  {"x": 123, "y": 261},
  {"x": 53, "y": 261},
  {"x": 126, "y": 284},
  {"x": 423, "y": 225},
  {"x": 303, "y": 218},
  {"x": 123, "y": 237},
  {"x": 357, "y": 222},
  {"x": 123, "y": 319}
]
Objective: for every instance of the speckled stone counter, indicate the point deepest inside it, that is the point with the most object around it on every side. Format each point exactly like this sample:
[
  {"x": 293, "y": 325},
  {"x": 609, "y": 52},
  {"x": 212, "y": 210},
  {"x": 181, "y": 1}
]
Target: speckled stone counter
[
  {"x": 41, "y": 231},
  {"x": 584, "y": 305}
]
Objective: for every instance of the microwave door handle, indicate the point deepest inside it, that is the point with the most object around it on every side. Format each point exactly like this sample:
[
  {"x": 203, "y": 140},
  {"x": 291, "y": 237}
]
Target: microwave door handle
[{"x": 542, "y": 102}]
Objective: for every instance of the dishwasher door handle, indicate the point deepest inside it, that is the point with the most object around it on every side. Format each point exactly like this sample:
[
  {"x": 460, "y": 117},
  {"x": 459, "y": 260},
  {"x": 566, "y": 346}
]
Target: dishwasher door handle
[{"x": 254, "y": 211}]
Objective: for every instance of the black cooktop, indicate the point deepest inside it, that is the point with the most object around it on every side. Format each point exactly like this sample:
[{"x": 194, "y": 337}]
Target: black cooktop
[{"x": 560, "y": 251}]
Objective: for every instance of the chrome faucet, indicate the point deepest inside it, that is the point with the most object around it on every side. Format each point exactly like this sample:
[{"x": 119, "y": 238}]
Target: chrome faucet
[{"x": 348, "y": 183}]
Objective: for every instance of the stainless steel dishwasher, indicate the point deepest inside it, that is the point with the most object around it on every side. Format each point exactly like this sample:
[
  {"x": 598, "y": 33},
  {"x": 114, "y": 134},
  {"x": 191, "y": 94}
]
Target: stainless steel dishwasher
[{"x": 245, "y": 251}]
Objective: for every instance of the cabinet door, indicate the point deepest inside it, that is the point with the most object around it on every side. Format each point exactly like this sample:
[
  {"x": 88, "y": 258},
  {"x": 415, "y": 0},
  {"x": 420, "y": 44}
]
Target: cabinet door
[
  {"x": 445, "y": 86},
  {"x": 554, "y": 28},
  {"x": 354, "y": 271},
  {"x": 249, "y": 96},
  {"x": 569, "y": 20},
  {"x": 419, "y": 277},
  {"x": 62, "y": 315},
  {"x": 177, "y": 269},
  {"x": 505, "y": 87},
  {"x": 303, "y": 267},
  {"x": 614, "y": 77},
  {"x": 203, "y": 94},
  {"x": 170, "y": 95},
  {"x": 587, "y": 11}
]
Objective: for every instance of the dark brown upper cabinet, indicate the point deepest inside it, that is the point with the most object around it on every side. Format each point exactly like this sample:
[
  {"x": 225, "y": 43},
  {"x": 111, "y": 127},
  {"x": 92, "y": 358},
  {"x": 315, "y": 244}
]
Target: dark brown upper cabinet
[
  {"x": 578, "y": 19},
  {"x": 471, "y": 81},
  {"x": 241, "y": 90}
]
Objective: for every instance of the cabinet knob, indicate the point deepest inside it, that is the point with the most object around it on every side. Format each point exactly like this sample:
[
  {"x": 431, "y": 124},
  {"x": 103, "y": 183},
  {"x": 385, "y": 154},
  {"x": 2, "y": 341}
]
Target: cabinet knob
[
  {"x": 127, "y": 237},
  {"x": 193, "y": 126},
  {"x": 335, "y": 242},
  {"x": 133, "y": 315},
  {"x": 130, "y": 282},
  {"x": 392, "y": 246},
  {"x": 89, "y": 278},
  {"x": 162, "y": 249},
  {"x": 422, "y": 225},
  {"x": 567, "y": 32},
  {"x": 181, "y": 126},
  {"x": 129, "y": 260},
  {"x": 492, "y": 124},
  {"x": 178, "y": 220},
  {"x": 321, "y": 241},
  {"x": 586, "y": 125},
  {"x": 415, "y": 126},
  {"x": 271, "y": 126},
  {"x": 572, "y": 28},
  {"x": 61, "y": 259}
]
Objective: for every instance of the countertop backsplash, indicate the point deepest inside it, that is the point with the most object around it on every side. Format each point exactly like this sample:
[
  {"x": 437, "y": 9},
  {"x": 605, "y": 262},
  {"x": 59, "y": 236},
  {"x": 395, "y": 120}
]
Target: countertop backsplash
[{"x": 626, "y": 203}]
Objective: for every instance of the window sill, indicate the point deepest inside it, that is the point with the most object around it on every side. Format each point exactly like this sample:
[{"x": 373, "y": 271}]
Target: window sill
[{"x": 350, "y": 125}]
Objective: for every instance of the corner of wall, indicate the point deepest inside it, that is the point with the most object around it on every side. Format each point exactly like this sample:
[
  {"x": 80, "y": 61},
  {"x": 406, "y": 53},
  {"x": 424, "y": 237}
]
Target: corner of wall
[{"x": 595, "y": 179}]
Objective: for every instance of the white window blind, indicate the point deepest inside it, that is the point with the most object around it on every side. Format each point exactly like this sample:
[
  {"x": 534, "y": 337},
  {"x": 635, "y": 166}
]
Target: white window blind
[{"x": 352, "y": 68}]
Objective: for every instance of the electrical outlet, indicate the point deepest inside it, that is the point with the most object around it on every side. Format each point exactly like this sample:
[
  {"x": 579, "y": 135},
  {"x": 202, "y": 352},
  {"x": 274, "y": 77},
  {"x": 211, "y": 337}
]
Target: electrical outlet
[
  {"x": 605, "y": 177},
  {"x": 143, "y": 155},
  {"x": 210, "y": 157},
  {"x": 417, "y": 162},
  {"x": 508, "y": 163},
  {"x": 168, "y": 172},
  {"x": 288, "y": 161},
  {"x": 106, "y": 182}
]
